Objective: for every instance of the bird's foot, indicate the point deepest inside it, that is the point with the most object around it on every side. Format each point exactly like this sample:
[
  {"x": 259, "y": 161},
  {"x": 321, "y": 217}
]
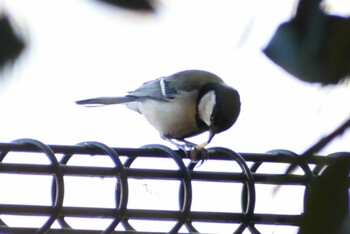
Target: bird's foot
[{"x": 198, "y": 155}]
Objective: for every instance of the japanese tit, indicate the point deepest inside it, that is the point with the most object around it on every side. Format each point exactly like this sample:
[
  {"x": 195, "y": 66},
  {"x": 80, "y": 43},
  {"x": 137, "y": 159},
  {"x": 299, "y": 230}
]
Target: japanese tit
[{"x": 182, "y": 105}]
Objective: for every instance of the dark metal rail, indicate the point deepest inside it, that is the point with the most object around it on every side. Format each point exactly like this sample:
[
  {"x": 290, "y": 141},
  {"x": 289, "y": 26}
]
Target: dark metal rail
[{"x": 122, "y": 170}]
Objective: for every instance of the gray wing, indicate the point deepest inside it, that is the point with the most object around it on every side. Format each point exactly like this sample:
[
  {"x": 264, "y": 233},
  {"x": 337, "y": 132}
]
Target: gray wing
[
  {"x": 167, "y": 88},
  {"x": 160, "y": 89}
]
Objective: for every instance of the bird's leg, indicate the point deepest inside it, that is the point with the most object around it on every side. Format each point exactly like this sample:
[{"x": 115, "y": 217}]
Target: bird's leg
[
  {"x": 193, "y": 151},
  {"x": 185, "y": 147},
  {"x": 189, "y": 144}
]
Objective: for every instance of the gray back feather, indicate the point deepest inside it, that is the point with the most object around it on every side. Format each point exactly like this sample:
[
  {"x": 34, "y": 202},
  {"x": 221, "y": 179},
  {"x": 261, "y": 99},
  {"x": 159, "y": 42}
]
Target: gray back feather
[{"x": 166, "y": 88}]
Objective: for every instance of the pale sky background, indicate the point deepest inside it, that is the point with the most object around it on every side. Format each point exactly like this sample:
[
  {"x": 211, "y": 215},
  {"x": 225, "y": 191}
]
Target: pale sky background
[{"x": 80, "y": 49}]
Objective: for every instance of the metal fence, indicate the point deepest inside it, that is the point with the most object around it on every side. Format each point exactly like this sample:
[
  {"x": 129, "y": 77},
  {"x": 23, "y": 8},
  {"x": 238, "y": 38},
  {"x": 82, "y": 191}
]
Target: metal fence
[{"x": 119, "y": 217}]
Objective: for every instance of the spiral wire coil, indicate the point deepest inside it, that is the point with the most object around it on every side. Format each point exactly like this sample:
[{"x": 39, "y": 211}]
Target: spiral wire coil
[{"x": 122, "y": 170}]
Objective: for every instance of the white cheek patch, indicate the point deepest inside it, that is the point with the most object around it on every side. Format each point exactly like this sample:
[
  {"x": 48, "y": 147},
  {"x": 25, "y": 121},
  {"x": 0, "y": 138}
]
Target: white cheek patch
[{"x": 206, "y": 106}]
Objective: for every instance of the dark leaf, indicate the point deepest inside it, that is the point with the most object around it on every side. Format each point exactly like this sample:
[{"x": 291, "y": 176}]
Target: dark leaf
[
  {"x": 345, "y": 227},
  {"x": 327, "y": 205},
  {"x": 11, "y": 45},
  {"x": 143, "y": 5},
  {"x": 313, "y": 46}
]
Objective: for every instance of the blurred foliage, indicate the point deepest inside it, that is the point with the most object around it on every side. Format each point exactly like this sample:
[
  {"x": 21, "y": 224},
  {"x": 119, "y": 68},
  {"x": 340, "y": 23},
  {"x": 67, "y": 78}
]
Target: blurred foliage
[
  {"x": 11, "y": 45},
  {"x": 327, "y": 207},
  {"x": 143, "y": 5},
  {"x": 313, "y": 46},
  {"x": 328, "y": 203},
  {"x": 320, "y": 145}
]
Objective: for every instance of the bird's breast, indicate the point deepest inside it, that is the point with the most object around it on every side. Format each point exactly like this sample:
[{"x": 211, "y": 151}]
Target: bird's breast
[{"x": 175, "y": 118}]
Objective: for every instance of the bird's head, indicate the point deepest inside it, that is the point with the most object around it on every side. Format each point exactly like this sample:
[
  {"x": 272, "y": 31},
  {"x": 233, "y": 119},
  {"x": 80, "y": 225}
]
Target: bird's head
[{"x": 218, "y": 107}]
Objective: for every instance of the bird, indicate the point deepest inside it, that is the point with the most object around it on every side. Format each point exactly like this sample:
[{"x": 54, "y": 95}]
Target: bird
[{"x": 182, "y": 105}]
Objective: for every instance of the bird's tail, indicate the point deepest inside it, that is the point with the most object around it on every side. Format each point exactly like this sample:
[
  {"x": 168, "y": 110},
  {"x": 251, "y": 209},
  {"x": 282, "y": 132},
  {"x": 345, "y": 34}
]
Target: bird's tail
[{"x": 100, "y": 101}]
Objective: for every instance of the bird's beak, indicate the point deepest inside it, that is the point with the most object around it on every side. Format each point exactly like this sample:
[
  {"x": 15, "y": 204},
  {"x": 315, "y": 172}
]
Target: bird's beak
[
  {"x": 211, "y": 136},
  {"x": 201, "y": 146}
]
